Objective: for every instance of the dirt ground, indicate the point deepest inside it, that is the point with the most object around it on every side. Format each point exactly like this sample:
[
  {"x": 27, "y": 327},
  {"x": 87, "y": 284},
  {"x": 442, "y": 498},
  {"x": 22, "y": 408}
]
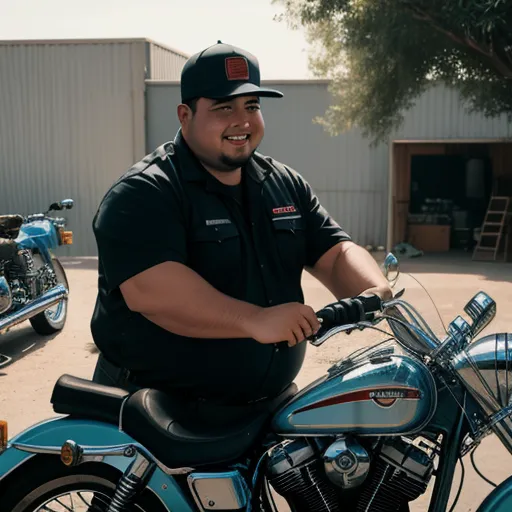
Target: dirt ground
[{"x": 451, "y": 280}]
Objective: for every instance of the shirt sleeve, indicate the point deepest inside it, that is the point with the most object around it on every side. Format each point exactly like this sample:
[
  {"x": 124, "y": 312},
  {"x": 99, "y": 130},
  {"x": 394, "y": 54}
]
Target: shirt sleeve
[
  {"x": 322, "y": 231},
  {"x": 139, "y": 224}
]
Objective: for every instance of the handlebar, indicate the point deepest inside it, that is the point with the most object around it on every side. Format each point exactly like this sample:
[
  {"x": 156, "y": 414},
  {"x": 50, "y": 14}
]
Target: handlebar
[{"x": 346, "y": 312}]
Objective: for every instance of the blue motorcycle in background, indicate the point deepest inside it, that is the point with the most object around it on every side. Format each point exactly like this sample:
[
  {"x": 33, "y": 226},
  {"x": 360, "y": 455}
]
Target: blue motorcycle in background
[
  {"x": 33, "y": 283},
  {"x": 368, "y": 436}
]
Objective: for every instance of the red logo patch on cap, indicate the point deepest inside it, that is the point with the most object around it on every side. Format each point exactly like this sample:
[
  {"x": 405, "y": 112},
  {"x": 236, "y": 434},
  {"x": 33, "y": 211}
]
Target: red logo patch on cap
[{"x": 237, "y": 68}]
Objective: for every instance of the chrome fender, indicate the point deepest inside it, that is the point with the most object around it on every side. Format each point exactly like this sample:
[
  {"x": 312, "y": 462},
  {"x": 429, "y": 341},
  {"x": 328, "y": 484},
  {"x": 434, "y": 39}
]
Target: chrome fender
[
  {"x": 500, "y": 499},
  {"x": 48, "y": 436}
]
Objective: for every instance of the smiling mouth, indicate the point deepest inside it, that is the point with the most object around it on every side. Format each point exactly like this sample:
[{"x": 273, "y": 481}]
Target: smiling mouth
[{"x": 238, "y": 139}]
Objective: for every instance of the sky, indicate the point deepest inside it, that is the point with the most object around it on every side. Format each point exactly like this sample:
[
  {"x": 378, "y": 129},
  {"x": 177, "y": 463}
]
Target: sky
[{"x": 186, "y": 25}]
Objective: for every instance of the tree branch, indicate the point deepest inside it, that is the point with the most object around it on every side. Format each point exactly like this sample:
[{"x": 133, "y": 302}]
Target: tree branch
[{"x": 499, "y": 64}]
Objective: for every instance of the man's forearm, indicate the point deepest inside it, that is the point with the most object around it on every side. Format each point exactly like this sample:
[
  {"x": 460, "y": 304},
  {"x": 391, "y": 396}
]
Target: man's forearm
[
  {"x": 349, "y": 270},
  {"x": 179, "y": 300}
]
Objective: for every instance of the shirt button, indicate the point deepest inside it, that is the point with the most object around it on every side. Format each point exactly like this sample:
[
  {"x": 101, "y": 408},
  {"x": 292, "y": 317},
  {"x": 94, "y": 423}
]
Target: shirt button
[
  {"x": 262, "y": 266},
  {"x": 270, "y": 301}
]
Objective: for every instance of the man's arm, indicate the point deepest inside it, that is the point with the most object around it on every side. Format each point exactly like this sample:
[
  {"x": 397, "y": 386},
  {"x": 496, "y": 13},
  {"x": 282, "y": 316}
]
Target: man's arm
[
  {"x": 198, "y": 310},
  {"x": 348, "y": 270},
  {"x": 179, "y": 300}
]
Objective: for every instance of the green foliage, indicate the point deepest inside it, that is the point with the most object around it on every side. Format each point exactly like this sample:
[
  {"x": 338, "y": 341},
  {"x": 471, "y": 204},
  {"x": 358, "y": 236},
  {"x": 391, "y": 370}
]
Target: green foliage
[{"x": 382, "y": 54}]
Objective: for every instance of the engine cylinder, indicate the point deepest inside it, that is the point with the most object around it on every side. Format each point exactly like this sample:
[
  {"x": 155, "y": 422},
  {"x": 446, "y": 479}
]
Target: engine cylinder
[
  {"x": 400, "y": 475},
  {"x": 297, "y": 473}
]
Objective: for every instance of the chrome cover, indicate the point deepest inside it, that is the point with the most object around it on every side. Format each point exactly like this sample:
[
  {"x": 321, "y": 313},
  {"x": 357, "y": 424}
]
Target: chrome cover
[
  {"x": 485, "y": 367},
  {"x": 346, "y": 463},
  {"x": 219, "y": 491},
  {"x": 5, "y": 295}
]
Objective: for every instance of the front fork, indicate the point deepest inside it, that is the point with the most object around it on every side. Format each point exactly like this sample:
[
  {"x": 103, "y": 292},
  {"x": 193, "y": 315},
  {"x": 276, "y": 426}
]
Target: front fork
[{"x": 134, "y": 479}]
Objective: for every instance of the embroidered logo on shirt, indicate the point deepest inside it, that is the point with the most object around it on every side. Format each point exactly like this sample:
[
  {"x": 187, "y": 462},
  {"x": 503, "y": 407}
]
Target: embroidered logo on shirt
[
  {"x": 284, "y": 209},
  {"x": 216, "y": 222}
]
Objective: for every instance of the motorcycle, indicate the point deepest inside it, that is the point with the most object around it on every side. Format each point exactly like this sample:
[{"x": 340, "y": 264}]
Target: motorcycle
[
  {"x": 369, "y": 435},
  {"x": 33, "y": 283}
]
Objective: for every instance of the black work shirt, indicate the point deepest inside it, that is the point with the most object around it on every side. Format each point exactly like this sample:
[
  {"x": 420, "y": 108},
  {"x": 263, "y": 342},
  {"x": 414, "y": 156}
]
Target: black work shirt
[{"x": 252, "y": 246}]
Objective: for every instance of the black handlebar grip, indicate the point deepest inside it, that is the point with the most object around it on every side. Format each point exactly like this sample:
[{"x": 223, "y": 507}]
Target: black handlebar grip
[
  {"x": 371, "y": 303},
  {"x": 349, "y": 311}
]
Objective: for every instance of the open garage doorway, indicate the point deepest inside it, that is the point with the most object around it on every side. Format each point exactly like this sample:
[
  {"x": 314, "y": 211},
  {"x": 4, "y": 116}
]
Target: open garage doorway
[{"x": 440, "y": 193}]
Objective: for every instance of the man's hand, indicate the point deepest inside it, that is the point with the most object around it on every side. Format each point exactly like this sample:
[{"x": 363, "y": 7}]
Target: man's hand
[{"x": 292, "y": 322}]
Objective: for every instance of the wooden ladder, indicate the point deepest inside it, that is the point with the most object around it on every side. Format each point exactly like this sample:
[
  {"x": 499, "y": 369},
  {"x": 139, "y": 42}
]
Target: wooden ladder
[{"x": 488, "y": 245}]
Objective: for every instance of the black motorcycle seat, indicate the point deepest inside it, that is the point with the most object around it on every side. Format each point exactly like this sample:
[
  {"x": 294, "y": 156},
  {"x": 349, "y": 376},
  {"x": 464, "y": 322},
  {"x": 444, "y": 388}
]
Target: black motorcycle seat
[
  {"x": 85, "y": 399},
  {"x": 10, "y": 226},
  {"x": 179, "y": 437}
]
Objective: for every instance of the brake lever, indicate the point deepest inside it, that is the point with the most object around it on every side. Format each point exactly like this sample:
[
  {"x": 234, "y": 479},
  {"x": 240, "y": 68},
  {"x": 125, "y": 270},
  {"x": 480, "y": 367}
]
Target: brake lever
[{"x": 321, "y": 337}]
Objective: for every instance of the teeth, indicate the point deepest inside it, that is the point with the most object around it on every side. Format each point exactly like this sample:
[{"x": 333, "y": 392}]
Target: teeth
[{"x": 238, "y": 137}]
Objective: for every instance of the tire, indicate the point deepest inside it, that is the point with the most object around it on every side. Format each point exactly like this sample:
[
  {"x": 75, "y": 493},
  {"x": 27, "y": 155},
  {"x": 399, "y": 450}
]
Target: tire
[
  {"x": 53, "y": 319},
  {"x": 89, "y": 487}
]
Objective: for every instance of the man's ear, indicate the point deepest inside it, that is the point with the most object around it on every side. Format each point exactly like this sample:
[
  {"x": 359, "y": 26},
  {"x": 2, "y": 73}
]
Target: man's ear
[{"x": 184, "y": 113}]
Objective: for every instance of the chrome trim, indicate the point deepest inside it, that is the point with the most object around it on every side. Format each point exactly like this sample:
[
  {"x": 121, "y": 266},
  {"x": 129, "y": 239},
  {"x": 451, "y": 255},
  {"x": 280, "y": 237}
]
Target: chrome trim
[
  {"x": 123, "y": 403},
  {"x": 90, "y": 453},
  {"x": 34, "y": 307},
  {"x": 47, "y": 450},
  {"x": 5, "y": 295}
]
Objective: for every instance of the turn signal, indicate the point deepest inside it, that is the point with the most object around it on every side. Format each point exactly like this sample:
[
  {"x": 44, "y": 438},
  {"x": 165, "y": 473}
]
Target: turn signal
[
  {"x": 70, "y": 453},
  {"x": 4, "y": 435},
  {"x": 66, "y": 237}
]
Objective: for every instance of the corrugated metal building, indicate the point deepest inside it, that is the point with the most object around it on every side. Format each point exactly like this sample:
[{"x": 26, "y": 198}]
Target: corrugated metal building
[
  {"x": 363, "y": 187},
  {"x": 72, "y": 118},
  {"x": 77, "y": 114},
  {"x": 349, "y": 177}
]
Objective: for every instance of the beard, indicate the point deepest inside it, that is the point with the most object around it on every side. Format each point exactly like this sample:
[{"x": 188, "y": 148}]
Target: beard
[
  {"x": 228, "y": 163},
  {"x": 225, "y": 163}
]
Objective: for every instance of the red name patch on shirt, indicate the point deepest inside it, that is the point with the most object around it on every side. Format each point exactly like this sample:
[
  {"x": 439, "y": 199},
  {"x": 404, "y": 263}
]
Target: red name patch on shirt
[
  {"x": 284, "y": 209},
  {"x": 237, "y": 68}
]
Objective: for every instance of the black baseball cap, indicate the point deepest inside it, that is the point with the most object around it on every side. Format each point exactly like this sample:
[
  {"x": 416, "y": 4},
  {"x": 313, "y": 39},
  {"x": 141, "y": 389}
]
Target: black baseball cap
[{"x": 222, "y": 71}]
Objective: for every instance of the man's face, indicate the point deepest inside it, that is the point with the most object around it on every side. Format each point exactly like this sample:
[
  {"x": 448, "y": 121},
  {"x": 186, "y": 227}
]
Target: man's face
[{"x": 223, "y": 133}]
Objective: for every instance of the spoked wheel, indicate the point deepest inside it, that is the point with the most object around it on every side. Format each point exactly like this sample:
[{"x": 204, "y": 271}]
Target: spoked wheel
[
  {"x": 53, "y": 319},
  {"x": 52, "y": 487}
]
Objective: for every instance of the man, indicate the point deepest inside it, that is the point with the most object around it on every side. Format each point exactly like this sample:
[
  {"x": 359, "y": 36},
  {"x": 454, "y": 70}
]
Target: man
[{"x": 201, "y": 249}]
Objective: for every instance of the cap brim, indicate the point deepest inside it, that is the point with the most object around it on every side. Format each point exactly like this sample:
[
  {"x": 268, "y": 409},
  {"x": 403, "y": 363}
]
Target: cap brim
[{"x": 248, "y": 89}]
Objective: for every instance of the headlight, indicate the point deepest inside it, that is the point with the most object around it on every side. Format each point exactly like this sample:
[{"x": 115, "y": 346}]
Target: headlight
[{"x": 485, "y": 367}]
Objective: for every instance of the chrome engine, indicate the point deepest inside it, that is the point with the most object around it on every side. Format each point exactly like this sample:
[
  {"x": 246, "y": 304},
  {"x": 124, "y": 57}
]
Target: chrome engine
[
  {"x": 383, "y": 478},
  {"x": 26, "y": 281}
]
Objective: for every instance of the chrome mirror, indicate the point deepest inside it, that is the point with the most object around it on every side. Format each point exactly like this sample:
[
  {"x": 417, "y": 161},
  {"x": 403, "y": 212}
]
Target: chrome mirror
[
  {"x": 67, "y": 204},
  {"x": 391, "y": 269}
]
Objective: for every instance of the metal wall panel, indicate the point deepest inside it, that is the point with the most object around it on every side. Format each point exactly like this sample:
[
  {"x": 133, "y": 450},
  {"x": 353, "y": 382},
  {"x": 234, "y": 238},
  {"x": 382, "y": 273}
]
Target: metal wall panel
[
  {"x": 72, "y": 120},
  {"x": 164, "y": 63},
  {"x": 440, "y": 114},
  {"x": 349, "y": 177}
]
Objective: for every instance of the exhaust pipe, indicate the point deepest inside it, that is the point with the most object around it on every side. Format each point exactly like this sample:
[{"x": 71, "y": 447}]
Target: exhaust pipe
[{"x": 47, "y": 300}]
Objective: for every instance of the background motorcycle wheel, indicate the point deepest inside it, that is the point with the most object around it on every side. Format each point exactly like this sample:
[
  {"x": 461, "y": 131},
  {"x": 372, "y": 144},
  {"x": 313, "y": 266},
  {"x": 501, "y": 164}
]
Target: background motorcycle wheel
[
  {"x": 39, "y": 488},
  {"x": 52, "y": 319}
]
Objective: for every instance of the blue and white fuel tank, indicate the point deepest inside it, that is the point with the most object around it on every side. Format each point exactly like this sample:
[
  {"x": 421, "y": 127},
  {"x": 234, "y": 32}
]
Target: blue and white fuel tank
[{"x": 384, "y": 391}]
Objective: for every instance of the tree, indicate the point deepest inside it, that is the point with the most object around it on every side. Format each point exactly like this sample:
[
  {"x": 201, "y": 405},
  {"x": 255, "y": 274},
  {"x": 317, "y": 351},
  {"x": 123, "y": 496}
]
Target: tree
[{"x": 382, "y": 54}]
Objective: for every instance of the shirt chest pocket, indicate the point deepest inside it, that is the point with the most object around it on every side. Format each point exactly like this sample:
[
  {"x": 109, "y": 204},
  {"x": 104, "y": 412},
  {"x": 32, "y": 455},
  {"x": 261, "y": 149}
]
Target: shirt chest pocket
[
  {"x": 215, "y": 253},
  {"x": 290, "y": 238}
]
